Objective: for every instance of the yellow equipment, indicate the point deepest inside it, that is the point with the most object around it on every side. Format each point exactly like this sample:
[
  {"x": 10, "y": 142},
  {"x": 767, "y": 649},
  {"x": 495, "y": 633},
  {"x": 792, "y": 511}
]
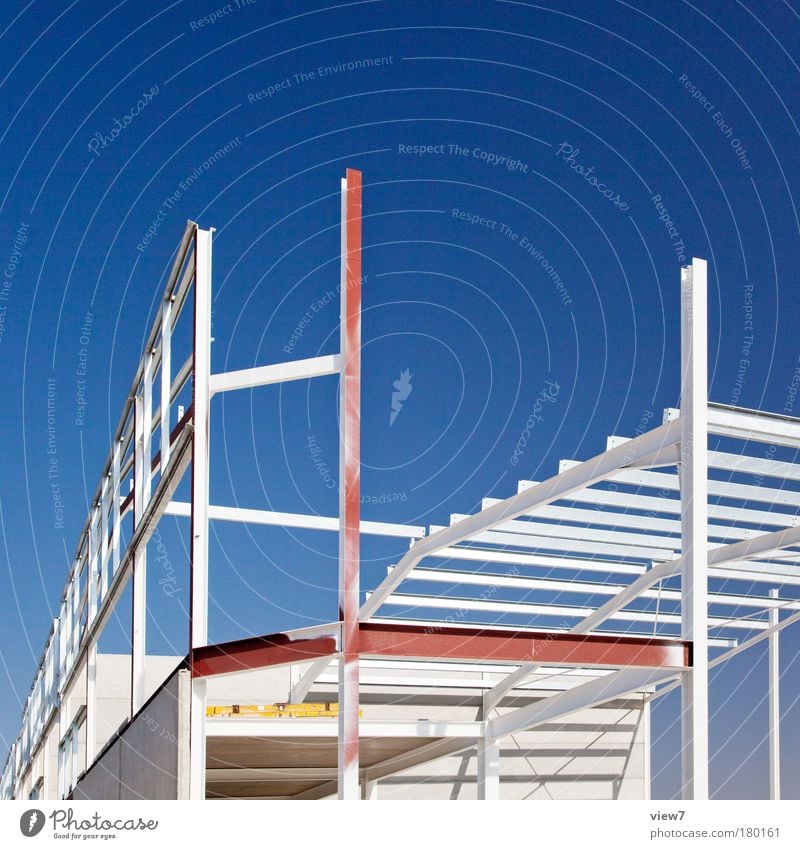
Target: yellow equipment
[{"x": 276, "y": 711}]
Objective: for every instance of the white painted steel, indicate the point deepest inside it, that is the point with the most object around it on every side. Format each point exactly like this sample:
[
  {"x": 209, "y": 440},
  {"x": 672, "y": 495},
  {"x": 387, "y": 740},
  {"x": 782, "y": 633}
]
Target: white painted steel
[
  {"x": 660, "y": 504},
  {"x": 555, "y": 610},
  {"x": 277, "y": 373},
  {"x": 559, "y": 544},
  {"x": 565, "y": 585},
  {"x": 774, "y": 701},
  {"x": 694, "y": 489},
  {"x": 200, "y": 495},
  {"x": 754, "y": 425},
  {"x": 585, "y": 696},
  {"x": 488, "y": 767},
  {"x": 295, "y": 520}
]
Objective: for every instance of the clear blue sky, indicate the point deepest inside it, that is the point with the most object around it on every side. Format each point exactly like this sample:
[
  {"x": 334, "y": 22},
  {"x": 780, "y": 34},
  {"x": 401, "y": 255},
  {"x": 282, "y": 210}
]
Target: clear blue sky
[{"x": 685, "y": 114}]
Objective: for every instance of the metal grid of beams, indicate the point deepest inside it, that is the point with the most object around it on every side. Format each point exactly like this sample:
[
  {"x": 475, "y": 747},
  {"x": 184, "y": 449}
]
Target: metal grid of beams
[{"x": 630, "y": 565}]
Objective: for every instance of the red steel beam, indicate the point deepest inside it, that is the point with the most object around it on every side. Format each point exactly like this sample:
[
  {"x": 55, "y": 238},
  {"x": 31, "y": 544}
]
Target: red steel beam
[
  {"x": 432, "y": 642},
  {"x": 257, "y": 653},
  {"x": 473, "y": 643}
]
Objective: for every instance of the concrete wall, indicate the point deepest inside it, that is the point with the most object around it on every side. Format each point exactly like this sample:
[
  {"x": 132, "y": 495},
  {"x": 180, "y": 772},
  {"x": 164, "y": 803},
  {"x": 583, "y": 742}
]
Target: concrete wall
[
  {"x": 113, "y": 688},
  {"x": 149, "y": 758}
]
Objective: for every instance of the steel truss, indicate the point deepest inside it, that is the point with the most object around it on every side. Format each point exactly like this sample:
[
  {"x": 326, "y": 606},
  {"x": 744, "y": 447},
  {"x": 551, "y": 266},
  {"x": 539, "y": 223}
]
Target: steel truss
[{"x": 625, "y": 544}]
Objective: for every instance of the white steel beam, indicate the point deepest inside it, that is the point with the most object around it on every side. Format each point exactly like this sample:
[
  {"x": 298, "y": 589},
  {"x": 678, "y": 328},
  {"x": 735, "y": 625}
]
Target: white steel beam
[
  {"x": 91, "y": 705},
  {"x": 537, "y": 528},
  {"x": 632, "y": 521},
  {"x": 528, "y": 609},
  {"x": 300, "y": 689},
  {"x": 694, "y": 489},
  {"x": 721, "y": 489},
  {"x": 754, "y": 425},
  {"x": 200, "y": 493},
  {"x": 738, "y": 649},
  {"x": 744, "y": 463},
  {"x": 582, "y": 697},
  {"x": 323, "y": 727},
  {"x": 567, "y": 585},
  {"x": 659, "y": 504},
  {"x": 166, "y": 380},
  {"x": 521, "y": 558},
  {"x": 550, "y": 490},
  {"x": 139, "y": 592},
  {"x": 488, "y": 766},
  {"x": 105, "y": 508},
  {"x": 564, "y": 544},
  {"x": 278, "y": 373},
  {"x": 774, "y": 701},
  {"x": 369, "y": 790},
  {"x": 295, "y": 520}
]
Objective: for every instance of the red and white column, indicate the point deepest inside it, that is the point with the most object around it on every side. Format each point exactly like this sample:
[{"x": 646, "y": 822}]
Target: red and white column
[{"x": 350, "y": 484}]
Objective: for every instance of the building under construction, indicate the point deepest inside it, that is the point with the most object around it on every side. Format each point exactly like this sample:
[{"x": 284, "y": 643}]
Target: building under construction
[{"x": 375, "y": 705}]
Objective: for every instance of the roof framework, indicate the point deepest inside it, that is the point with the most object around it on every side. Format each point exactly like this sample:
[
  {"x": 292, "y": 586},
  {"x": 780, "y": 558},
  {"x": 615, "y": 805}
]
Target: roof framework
[{"x": 632, "y": 564}]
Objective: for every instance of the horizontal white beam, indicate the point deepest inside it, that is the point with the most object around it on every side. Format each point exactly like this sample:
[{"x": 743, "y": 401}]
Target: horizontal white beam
[
  {"x": 327, "y": 727},
  {"x": 521, "y": 558},
  {"x": 294, "y": 520},
  {"x": 573, "y": 532},
  {"x": 563, "y": 544},
  {"x": 649, "y": 503},
  {"x": 557, "y": 487},
  {"x": 564, "y": 585},
  {"x": 743, "y": 463},
  {"x": 529, "y": 609},
  {"x": 628, "y": 635},
  {"x": 626, "y": 521},
  {"x": 270, "y": 773},
  {"x": 754, "y": 425},
  {"x": 722, "y": 489},
  {"x": 250, "y": 378}
]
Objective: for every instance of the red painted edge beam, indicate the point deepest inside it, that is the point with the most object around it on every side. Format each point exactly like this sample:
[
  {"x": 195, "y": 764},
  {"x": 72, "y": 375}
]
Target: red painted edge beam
[
  {"x": 454, "y": 643},
  {"x": 257, "y": 653}
]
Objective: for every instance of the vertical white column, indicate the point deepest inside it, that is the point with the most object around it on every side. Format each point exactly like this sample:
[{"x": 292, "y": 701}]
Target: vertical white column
[
  {"x": 91, "y": 703},
  {"x": 139, "y": 582},
  {"x": 694, "y": 534},
  {"x": 774, "y": 702},
  {"x": 74, "y": 619},
  {"x": 488, "y": 768},
  {"x": 104, "y": 510},
  {"x": 93, "y": 567},
  {"x": 166, "y": 378},
  {"x": 92, "y": 563},
  {"x": 116, "y": 503},
  {"x": 200, "y": 491}
]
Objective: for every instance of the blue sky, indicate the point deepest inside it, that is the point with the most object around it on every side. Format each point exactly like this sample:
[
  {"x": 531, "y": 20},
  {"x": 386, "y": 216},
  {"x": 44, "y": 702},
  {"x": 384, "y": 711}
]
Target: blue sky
[{"x": 493, "y": 266}]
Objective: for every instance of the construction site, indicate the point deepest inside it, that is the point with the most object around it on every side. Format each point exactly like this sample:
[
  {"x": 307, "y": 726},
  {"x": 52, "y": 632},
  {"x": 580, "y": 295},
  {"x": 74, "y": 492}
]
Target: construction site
[{"x": 641, "y": 568}]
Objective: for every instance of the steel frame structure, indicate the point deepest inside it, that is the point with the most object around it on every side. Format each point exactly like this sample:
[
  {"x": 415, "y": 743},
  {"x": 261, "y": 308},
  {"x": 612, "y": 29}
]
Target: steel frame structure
[{"x": 652, "y": 542}]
